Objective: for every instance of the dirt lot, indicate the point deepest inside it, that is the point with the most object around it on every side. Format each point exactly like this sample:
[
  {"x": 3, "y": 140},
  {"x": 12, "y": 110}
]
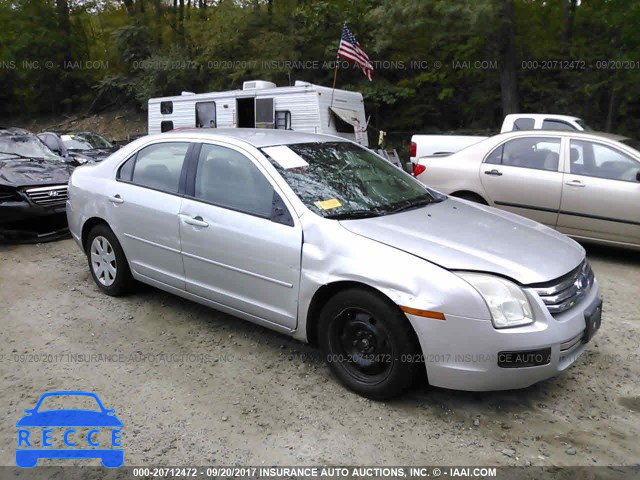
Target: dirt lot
[{"x": 194, "y": 386}]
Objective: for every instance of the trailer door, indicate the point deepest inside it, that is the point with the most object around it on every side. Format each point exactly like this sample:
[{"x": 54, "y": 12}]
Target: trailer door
[{"x": 246, "y": 112}]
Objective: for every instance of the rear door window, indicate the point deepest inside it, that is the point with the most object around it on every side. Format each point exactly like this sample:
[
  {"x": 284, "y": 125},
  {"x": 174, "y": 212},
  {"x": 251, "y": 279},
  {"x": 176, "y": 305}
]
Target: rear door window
[
  {"x": 539, "y": 153},
  {"x": 159, "y": 166}
]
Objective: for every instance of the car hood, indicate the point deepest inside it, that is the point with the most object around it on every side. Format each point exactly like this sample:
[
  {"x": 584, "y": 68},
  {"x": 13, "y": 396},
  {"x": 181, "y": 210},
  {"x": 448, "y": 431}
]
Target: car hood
[
  {"x": 69, "y": 418},
  {"x": 96, "y": 154},
  {"x": 28, "y": 172},
  {"x": 460, "y": 235}
]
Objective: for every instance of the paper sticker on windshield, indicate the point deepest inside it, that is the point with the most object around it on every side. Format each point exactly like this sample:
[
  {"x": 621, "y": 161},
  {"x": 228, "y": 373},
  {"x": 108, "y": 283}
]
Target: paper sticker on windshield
[
  {"x": 66, "y": 137},
  {"x": 328, "y": 204},
  {"x": 285, "y": 157}
]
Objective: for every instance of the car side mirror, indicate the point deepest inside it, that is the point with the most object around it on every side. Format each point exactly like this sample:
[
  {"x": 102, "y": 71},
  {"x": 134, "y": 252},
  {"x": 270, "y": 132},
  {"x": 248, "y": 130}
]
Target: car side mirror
[{"x": 638, "y": 176}]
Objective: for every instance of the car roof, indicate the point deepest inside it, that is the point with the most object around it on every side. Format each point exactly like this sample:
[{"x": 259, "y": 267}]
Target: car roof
[
  {"x": 566, "y": 133},
  {"x": 12, "y": 131},
  {"x": 548, "y": 116},
  {"x": 257, "y": 137}
]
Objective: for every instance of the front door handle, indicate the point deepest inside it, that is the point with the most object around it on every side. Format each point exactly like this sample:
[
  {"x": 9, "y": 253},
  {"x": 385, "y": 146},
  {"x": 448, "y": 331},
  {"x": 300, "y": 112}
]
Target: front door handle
[
  {"x": 116, "y": 198},
  {"x": 494, "y": 172},
  {"x": 575, "y": 183},
  {"x": 195, "y": 221}
]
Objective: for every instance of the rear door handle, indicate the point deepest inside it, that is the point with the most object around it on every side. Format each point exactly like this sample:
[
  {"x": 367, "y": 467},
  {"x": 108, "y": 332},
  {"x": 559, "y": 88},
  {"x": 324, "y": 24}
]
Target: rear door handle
[
  {"x": 116, "y": 198},
  {"x": 195, "y": 221},
  {"x": 575, "y": 183},
  {"x": 493, "y": 172}
]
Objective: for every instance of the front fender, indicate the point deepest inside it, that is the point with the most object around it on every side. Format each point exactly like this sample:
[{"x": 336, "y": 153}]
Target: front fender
[{"x": 331, "y": 253}]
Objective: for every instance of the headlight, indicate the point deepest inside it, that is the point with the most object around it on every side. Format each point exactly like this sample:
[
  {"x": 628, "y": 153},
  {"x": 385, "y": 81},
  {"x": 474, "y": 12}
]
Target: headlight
[{"x": 507, "y": 302}]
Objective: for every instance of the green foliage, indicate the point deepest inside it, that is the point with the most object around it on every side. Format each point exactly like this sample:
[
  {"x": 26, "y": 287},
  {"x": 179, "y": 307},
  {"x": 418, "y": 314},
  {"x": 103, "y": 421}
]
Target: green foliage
[{"x": 438, "y": 64}]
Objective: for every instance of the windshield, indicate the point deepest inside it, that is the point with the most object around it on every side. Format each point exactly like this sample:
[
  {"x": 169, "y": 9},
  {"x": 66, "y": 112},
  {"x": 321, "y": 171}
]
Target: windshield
[
  {"x": 93, "y": 139},
  {"x": 338, "y": 179},
  {"x": 74, "y": 143},
  {"x": 25, "y": 146}
]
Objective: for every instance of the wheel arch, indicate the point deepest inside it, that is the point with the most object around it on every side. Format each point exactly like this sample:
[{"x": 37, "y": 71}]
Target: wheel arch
[
  {"x": 327, "y": 291},
  {"x": 469, "y": 195},
  {"x": 86, "y": 228}
]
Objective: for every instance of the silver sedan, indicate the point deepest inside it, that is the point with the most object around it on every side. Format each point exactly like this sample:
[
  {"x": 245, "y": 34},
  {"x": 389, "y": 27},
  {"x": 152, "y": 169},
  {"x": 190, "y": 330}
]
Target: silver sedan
[
  {"x": 586, "y": 185},
  {"x": 316, "y": 237}
]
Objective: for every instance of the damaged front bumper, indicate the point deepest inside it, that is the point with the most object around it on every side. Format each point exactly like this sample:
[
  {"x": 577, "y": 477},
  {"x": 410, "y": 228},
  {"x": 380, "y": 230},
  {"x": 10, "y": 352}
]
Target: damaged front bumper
[{"x": 23, "y": 222}]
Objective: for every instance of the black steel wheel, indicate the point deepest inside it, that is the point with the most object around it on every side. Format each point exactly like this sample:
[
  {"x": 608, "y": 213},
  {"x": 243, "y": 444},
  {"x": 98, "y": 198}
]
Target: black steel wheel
[{"x": 368, "y": 343}]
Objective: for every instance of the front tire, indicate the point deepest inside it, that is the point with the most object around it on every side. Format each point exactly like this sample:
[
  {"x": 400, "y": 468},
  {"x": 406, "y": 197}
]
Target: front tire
[
  {"x": 107, "y": 262},
  {"x": 368, "y": 344}
]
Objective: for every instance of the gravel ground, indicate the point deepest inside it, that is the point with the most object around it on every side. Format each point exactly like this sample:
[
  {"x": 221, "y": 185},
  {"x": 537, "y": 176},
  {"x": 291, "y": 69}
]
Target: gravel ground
[{"x": 197, "y": 387}]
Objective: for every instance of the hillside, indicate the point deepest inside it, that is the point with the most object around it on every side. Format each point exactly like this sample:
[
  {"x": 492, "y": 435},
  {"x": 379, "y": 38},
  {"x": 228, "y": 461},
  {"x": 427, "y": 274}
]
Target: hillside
[{"x": 117, "y": 124}]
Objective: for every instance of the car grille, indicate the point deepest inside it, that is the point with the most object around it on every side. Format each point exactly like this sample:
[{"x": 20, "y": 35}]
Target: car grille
[
  {"x": 48, "y": 196},
  {"x": 563, "y": 293}
]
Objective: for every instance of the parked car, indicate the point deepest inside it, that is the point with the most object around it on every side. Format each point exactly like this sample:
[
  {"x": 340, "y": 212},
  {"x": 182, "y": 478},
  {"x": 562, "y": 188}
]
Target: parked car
[
  {"x": 583, "y": 184},
  {"x": 430, "y": 145},
  {"x": 79, "y": 147},
  {"x": 33, "y": 188},
  {"x": 319, "y": 238}
]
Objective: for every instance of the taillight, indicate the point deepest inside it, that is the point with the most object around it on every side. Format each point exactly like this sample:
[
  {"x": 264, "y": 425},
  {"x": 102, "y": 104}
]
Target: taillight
[
  {"x": 412, "y": 149},
  {"x": 418, "y": 169}
]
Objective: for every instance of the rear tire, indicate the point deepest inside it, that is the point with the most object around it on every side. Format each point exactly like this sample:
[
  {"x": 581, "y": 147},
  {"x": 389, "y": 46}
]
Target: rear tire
[
  {"x": 368, "y": 344},
  {"x": 107, "y": 262}
]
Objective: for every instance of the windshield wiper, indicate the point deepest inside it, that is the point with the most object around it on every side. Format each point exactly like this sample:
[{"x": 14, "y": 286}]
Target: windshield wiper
[
  {"x": 412, "y": 204},
  {"x": 13, "y": 154},
  {"x": 356, "y": 214}
]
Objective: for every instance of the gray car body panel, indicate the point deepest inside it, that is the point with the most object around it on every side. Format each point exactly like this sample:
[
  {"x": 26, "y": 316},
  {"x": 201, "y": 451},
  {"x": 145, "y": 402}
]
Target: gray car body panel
[
  {"x": 408, "y": 257},
  {"x": 459, "y": 235}
]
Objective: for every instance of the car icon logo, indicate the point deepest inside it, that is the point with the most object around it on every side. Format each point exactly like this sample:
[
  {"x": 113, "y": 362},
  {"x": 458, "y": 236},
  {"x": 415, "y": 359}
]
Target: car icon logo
[
  {"x": 71, "y": 422},
  {"x": 53, "y": 193}
]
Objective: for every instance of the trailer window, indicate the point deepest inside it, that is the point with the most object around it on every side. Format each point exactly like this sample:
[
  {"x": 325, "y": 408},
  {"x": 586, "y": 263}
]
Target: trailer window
[
  {"x": 206, "y": 115},
  {"x": 166, "y": 126},
  {"x": 166, "y": 108},
  {"x": 264, "y": 113},
  {"x": 283, "y": 119}
]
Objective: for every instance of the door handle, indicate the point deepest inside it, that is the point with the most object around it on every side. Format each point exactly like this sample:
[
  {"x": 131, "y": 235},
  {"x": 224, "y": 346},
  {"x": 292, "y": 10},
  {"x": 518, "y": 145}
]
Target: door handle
[
  {"x": 116, "y": 198},
  {"x": 195, "y": 221},
  {"x": 575, "y": 183},
  {"x": 494, "y": 172}
]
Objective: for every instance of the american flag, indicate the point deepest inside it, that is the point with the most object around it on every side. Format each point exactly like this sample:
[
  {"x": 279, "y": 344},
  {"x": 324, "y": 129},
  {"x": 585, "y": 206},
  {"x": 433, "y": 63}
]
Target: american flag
[{"x": 350, "y": 49}]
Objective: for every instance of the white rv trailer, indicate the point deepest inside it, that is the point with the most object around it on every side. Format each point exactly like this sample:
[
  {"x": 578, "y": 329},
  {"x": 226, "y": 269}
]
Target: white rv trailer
[{"x": 304, "y": 107}]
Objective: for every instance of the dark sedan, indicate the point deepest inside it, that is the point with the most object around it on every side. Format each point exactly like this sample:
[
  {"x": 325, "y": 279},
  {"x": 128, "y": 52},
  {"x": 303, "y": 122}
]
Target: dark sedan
[
  {"x": 33, "y": 188},
  {"x": 78, "y": 147}
]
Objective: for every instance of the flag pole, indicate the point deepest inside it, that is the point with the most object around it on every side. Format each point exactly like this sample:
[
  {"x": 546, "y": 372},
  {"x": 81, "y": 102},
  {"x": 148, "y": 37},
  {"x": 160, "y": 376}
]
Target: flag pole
[{"x": 335, "y": 76}]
